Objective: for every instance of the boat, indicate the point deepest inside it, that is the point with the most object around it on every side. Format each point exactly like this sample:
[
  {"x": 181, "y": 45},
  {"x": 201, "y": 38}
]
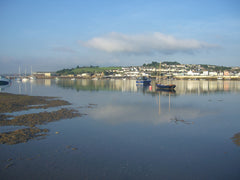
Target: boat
[
  {"x": 165, "y": 86},
  {"x": 25, "y": 79},
  {"x": 32, "y": 78},
  {"x": 144, "y": 81},
  {"x": 4, "y": 81},
  {"x": 18, "y": 79},
  {"x": 159, "y": 85}
]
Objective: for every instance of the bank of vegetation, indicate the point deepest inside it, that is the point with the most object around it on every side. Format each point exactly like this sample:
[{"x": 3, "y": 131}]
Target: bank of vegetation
[
  {"x": 156, "y": 64},
  {"x": 87, "y": 69}
]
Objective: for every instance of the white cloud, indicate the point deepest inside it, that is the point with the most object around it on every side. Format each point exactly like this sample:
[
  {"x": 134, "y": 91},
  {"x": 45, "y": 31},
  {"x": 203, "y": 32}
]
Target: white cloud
[{"x": 146, "y": 43}]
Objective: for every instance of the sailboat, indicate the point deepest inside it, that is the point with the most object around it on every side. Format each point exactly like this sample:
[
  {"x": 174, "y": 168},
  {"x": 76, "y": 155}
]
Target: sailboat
[
  {"x": 161, "y": 86},
  {"x": 25, "y": 78},
  {"x": 32, "y": 77},
  {"x": 18, "y": 79}
]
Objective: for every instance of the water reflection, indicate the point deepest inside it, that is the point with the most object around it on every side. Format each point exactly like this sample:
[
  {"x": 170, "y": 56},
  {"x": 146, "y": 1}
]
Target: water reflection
[
  {"x": 129, "y": 135},
  {"x": 161, "y": 108},
  {"x": 183, "y": 86},
  {"x": 3, "y": 87}
]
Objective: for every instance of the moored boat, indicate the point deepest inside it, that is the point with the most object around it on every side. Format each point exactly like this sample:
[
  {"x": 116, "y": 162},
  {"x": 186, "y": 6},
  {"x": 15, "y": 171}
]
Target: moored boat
[
  {"x": 159, "y": 85},
  {"x": 165, "y": 86},
  {"x": 4, "y": 81},
  {"x": 25, "y": 79},
  {"x": 143, "y": 81},
  {"x": 32, "y": 78}
]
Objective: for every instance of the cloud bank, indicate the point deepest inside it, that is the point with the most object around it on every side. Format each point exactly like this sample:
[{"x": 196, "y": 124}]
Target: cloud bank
[{"x": 146, "y": 43}]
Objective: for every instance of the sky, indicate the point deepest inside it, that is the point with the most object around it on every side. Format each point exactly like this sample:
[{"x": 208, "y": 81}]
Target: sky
[{"x": 52, "y": 35}]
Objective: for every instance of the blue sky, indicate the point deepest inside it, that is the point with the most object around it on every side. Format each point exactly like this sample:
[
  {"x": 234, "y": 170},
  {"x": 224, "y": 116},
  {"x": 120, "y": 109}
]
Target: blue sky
[{"x": 56, "y": 34}]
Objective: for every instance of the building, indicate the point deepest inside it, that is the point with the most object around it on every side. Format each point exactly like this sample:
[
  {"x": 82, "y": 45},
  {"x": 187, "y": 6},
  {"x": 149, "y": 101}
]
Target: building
[{"x": 43, "y": 74}]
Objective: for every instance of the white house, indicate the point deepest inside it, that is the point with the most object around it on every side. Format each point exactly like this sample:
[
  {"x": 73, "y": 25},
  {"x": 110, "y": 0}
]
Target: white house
[
  {"x": 205, "y": 73},
  {"x": 190, "y": 73},
  {"x": 213, "y": 74}
]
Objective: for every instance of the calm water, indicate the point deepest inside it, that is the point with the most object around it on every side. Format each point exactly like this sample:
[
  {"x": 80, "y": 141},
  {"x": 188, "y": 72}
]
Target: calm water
[{"x": 132, "y": 132}]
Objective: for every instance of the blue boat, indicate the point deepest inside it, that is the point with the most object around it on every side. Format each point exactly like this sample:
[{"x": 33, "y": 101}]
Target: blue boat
[
  {"x": 165, "y": 86},
  {"x": 144, "y": 81}
]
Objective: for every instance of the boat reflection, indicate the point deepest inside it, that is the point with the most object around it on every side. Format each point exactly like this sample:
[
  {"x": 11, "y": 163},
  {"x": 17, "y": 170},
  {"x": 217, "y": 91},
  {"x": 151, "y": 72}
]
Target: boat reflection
[
  {"x": 165, "y": 92},
  {"x": 183, "y": 86}
]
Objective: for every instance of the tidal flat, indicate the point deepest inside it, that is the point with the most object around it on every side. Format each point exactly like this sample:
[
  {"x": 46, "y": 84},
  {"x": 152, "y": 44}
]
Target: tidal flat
[
  {"x": 16, "y": 102},
  {"x": 10, "y": 103}
]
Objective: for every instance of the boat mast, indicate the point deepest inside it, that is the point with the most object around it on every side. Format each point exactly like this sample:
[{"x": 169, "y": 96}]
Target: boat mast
[
  {"x": 19, "y": 71},
  {"x": 159, "y": 104},
  {"x": 159, "y": 73}
]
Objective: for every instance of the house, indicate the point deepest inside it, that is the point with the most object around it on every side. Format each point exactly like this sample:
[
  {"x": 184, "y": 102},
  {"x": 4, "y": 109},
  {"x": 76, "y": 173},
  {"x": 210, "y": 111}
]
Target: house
[
  {"x": 220, "y": 74},
  {"x": 132, "y": 73},
  {"x": 226, "y": 73},
  {"x": 190, "y": 73},
  {"x": 205, "y": 73},
  {"x": 43, "y": 74},
  {"x": 84, "y": 75},
  {"x": 213, "y": 73}
]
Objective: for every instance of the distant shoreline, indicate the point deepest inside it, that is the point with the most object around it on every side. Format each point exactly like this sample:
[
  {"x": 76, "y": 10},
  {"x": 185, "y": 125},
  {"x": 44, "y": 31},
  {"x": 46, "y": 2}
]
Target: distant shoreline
[{"x": 152, "y": 77}]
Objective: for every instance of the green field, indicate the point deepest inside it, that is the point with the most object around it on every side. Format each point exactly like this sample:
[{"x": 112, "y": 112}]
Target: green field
[{"x": 91, "y": 70}]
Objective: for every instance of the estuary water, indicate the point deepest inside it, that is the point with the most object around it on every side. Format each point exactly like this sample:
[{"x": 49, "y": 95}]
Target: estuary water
[{"x": 131, "y": 132}]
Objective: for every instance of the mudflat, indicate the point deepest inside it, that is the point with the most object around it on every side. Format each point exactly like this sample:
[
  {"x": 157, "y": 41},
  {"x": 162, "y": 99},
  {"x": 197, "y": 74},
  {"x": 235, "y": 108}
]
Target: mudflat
[{"x": 28, "y": 123}]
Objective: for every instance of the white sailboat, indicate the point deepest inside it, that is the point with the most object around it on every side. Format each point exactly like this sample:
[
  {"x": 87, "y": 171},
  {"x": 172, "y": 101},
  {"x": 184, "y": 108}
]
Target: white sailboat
[
  {"x": 32, "y": 77},
  {"x": 25, "y": 79},
  {"x": 18, "y": 79}
]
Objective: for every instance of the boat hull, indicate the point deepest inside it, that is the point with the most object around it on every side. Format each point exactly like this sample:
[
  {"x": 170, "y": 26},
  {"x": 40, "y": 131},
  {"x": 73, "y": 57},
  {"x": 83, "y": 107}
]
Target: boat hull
[
  {"x": 143, "y": 82},
  {"x": 163, "y": 86},
  {"x": 4, "y": 81}
]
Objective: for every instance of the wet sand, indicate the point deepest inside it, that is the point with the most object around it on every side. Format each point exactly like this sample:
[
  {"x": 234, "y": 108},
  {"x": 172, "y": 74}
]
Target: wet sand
[{"x": 10, "y": 103}]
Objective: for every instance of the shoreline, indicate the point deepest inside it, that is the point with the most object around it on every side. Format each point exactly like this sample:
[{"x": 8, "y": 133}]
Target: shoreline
[
  {"x": 134, "y": 78},
  {"x": 27, "y": 125}
]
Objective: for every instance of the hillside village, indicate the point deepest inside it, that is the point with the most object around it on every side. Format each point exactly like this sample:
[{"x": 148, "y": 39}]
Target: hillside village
[{"x": 153, "y": 70}]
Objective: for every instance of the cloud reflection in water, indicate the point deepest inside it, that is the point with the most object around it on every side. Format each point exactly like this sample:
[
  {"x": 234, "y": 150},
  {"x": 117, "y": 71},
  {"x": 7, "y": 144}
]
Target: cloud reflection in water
[{"x": 117, "y": 114}]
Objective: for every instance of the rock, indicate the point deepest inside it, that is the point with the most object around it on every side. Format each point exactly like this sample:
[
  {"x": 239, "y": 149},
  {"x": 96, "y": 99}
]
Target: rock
[{"x": 9, "y": 165}]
